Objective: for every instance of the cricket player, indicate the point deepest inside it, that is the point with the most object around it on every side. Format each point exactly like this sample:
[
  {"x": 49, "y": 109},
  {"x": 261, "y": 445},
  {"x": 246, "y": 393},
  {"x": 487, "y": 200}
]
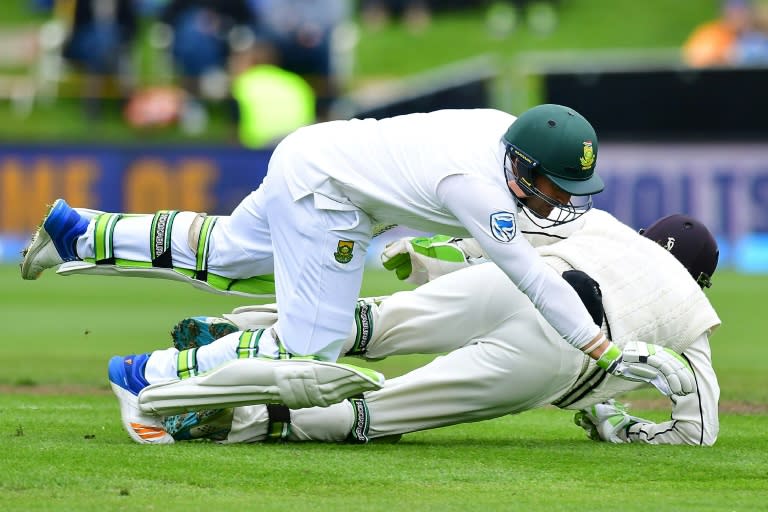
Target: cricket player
[
  {"x": 503, "y": 358},
  {"x": 459, "y": 172}
]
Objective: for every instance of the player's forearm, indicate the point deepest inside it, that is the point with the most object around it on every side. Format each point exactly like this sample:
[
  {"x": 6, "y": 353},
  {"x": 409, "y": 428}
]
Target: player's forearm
[
  {"x": 558, "y": 303},
  {"x": 555, "y": 299},
  {"x": 597, "y": 347},
  {"x": 694, "y": 416},
  {"x": 670, "y": 432},
  {"x": 693, "y": 423}
]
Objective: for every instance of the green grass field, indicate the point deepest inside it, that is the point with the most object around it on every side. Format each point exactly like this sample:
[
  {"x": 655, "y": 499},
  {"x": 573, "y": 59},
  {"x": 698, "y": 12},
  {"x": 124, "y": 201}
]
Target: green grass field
[{"x": 63, "y": 447}]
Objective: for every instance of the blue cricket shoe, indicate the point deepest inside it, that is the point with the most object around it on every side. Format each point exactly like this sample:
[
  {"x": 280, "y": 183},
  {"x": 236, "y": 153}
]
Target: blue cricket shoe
[
  {"x": 126, "y": 376},
  {"x": 54, "y": 241}
]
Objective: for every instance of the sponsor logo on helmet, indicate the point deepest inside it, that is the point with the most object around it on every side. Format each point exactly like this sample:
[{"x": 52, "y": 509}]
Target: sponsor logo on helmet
[
  {"x": 343, "y": 252},
  {"x": 588, "y": 160},
  {"x": 530, "y": 161},
  {"x": 503, "y": 226}
]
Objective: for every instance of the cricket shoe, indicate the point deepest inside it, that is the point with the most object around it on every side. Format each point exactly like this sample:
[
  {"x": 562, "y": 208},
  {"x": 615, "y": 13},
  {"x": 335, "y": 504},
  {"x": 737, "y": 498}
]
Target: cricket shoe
[
  {"x": 213, "y": 424},
  {"x": 198, "y": 331},
  {"x": 54, "y": 241},
  {"x": 126, "y": 376}
]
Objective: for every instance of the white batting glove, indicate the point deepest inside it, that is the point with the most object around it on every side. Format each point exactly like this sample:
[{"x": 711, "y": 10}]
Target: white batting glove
[
  {"x": 420, "y": 260},
  {"x": 644, "y": 362},
  {"x": 608, "y": 422}
]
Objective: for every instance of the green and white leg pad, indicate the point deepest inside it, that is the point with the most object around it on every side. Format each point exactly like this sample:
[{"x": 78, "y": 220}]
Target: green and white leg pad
[
  {"x": 296, "y": 383},
  {"x": 160, "y": 264}
]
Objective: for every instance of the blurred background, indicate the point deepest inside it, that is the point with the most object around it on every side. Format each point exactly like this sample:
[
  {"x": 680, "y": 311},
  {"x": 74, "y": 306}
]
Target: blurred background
[{"x": 140, "y": 105}]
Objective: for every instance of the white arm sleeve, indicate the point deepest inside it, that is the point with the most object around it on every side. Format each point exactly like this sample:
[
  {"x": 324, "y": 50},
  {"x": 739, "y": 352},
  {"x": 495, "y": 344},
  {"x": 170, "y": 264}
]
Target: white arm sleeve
[
  {"x": 694, "y": 416},
  {"x": 474, "y": 201}
]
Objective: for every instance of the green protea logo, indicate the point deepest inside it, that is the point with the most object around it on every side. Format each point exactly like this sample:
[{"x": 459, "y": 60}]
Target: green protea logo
[
  {"x": 343, "y": 252},
  {"x": 588, "y": 160}
]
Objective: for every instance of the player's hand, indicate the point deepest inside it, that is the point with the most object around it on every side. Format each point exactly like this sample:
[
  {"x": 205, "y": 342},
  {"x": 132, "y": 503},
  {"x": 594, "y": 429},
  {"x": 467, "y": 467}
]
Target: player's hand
[
  {"x": 644, "y": 362},
  {"x": 419, "y": 260},
  {"x": 608, "y": 422}
]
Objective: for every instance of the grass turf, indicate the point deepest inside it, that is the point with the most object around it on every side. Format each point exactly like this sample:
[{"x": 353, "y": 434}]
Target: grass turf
[
  {"x": 69, "y": 452},
  {"x": 63, "y": 448}
]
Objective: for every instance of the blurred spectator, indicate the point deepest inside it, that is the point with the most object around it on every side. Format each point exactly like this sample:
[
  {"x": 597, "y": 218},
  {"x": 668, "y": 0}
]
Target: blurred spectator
[
  {"x": 154, "y": 107},
  {"x": 271, "y": 101},
  {"x": 100, "y": 34},
  {"x": 714, "y": 43},
  {"x": 199, "y": 34},
  {"x": 303, "y": 32},
  {"x": 752, "y": 45},
  {"x": 42, "y": 5},
  {"x": 415, "y": 14},
  {"x": 504, "y": 16}
]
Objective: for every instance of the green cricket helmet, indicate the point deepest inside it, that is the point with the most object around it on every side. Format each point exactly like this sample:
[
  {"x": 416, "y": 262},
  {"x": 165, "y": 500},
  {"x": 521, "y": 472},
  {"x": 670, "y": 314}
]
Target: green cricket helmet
[{"x": 559, "y": 143}]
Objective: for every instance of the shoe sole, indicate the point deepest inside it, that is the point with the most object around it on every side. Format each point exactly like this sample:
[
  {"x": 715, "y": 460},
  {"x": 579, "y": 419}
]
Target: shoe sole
[
  {"x": 193, "y": 332},
  {"x": 214, "y": 424},
  {"x": 40, "y": 239},
  {"x": 139, "y": 432}
]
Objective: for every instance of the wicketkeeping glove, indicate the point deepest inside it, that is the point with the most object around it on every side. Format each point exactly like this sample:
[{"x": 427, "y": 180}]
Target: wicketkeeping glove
[
  {"x": 644, "y": 362},
  {"x": 419, "y": 260},
  {"x": 608, "y": 422}
]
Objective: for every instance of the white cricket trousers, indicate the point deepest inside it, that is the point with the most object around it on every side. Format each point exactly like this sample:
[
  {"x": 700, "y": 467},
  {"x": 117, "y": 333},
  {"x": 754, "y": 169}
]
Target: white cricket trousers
[
  {"x": 503, "y": 358},
  {"x": 316, "y": 254}
]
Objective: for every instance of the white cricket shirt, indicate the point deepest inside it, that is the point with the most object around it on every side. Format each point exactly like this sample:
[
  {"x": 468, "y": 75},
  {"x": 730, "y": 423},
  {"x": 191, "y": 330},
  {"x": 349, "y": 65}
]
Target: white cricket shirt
[{"x": 438, "y": 172}]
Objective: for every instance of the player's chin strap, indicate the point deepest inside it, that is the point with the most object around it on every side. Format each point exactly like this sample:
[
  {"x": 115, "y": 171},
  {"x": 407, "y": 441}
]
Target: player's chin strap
[{"x": 161, "y": 265}]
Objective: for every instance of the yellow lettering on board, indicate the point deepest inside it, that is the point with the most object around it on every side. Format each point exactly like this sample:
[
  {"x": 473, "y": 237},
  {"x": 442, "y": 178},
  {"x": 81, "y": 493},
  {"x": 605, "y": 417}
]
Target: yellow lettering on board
[
  {"x": 147, "y": 187},
  {"x": 80, "y": 175},
  {"x": 24, "y": 194},
  {"x": 27, "y": 190},
  {"x": 195, "y": 185},
  {"x": 151, "y": 185}
]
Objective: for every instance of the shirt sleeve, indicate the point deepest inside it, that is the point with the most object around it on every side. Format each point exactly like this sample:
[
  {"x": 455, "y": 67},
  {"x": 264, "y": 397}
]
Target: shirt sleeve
[
  {"x": 489, "y": 214},
  {"x": 694, "y": 416}
]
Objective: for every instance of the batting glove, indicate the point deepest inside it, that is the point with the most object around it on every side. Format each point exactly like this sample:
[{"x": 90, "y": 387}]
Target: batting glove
[
  {"x": 607, "y": 422},
  {"x": 420, "y": 260},
  {"x": 644, "y": 362}
]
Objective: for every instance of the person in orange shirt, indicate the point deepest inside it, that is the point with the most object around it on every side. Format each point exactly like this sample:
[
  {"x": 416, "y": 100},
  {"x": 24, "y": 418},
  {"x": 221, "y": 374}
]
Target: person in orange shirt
[{"x": 713, "y": 43}]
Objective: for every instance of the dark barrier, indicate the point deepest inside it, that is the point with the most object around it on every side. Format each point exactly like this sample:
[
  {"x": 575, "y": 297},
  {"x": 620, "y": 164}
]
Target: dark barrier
[
  {"x": 470, "y": 94},
  {"x": 676, "y": 103}
]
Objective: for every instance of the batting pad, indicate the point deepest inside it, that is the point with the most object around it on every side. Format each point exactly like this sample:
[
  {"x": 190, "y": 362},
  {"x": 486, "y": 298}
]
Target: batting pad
[
  {"x": 88, "y": 268},
  {"x": 297, "y": 383}
]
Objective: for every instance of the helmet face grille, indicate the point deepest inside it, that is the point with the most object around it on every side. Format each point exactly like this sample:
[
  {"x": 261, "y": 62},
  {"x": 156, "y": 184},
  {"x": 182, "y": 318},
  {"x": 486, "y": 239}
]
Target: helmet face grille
[{"x": 521, "y": 169}]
